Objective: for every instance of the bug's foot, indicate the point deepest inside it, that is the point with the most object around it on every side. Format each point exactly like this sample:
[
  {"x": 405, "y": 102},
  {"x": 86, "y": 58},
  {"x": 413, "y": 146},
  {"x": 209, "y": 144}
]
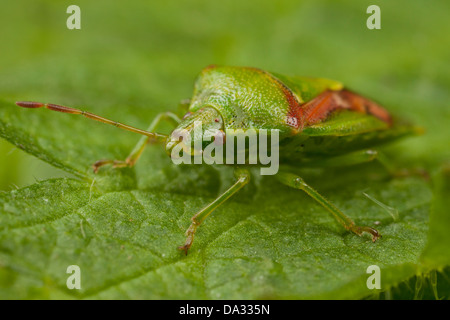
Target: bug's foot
[
  {"x": 189, "y": 238},
  {"x": 360, "y": 230},
  {"x": 187, "y": 244},
  {"x": 115, "y": 164},
  {"x": 184, "y": 248}
]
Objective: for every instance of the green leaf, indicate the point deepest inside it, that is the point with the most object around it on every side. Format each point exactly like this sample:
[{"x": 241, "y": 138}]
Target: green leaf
[
  {"x": 123, "y": 227},
  {"x": 437, "y": 252}
]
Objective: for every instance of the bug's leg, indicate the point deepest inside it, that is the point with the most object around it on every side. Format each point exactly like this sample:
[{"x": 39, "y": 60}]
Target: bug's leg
[
  {"x": 356, "y": 157},
  {"x": 140, "y": 146},
  {"x": 151, "y": 136},
  {"x": 368, "y": 155},
  {"x": 297, "y": 182},
  {"x": 243, "y": 177},
  {"x": 183, "y": 106},
  {"x": 397, "y": 172}
]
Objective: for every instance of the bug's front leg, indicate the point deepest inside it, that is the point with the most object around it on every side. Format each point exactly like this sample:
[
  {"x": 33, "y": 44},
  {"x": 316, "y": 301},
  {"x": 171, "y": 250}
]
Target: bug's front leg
[
  {"x": 140, "y": 146},
  {"x": 297, "y": 182},
  {"x": 243, "y": 177}
]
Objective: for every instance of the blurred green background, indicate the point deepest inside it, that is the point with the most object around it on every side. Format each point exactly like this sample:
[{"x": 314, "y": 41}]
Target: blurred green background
[{"x": 147, "y": 54}]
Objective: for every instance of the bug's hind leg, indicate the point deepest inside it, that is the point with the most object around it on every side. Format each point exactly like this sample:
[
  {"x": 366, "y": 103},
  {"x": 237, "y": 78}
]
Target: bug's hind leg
[
  {"x": 243, "y": 177},
  {"x": 349, "y": 159},
  {"x": 140, "y": 146},
  {"x": 368, "y": 155},
  {"x": 397, "y": 172},
  {"x": 297, "y": 182}
]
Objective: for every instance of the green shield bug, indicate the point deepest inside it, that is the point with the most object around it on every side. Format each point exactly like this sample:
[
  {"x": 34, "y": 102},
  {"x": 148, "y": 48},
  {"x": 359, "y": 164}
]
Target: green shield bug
[{"x": 317, "y": 122}]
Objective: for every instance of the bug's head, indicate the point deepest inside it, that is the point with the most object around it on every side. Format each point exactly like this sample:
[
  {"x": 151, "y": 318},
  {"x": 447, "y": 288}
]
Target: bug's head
[{"x": 195, "y": 132}]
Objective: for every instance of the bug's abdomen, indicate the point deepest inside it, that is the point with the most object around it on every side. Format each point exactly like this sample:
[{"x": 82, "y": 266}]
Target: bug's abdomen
[{"x": 343, "y": 131}]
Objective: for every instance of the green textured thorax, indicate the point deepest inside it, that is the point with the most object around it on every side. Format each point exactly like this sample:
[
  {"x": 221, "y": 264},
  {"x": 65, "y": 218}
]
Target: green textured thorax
[{"x": 253, "y": 98}]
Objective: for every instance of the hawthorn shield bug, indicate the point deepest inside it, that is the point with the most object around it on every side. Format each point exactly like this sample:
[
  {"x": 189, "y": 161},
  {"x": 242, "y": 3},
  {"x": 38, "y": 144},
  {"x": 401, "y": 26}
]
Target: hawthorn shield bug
[{"x": 318, "y": 122}]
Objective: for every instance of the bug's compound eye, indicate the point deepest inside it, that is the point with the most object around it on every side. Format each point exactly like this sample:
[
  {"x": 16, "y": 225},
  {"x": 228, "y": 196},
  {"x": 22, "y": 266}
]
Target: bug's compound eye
[
  {"x": 187, "y": 115},
  {"x": 178, "y": 137}
]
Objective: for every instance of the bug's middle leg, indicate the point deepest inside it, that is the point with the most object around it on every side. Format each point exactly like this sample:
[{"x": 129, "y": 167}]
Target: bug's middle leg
[
  {"x": 140, "y": 146},
  {"x": 243, "y": 177},
  {"x": 297, "y": 182}
]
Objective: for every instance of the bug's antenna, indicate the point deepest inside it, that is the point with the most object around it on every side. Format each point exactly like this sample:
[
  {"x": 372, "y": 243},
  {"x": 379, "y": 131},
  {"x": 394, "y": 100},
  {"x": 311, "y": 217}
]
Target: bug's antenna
[{"x": 29, "y": 104}]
